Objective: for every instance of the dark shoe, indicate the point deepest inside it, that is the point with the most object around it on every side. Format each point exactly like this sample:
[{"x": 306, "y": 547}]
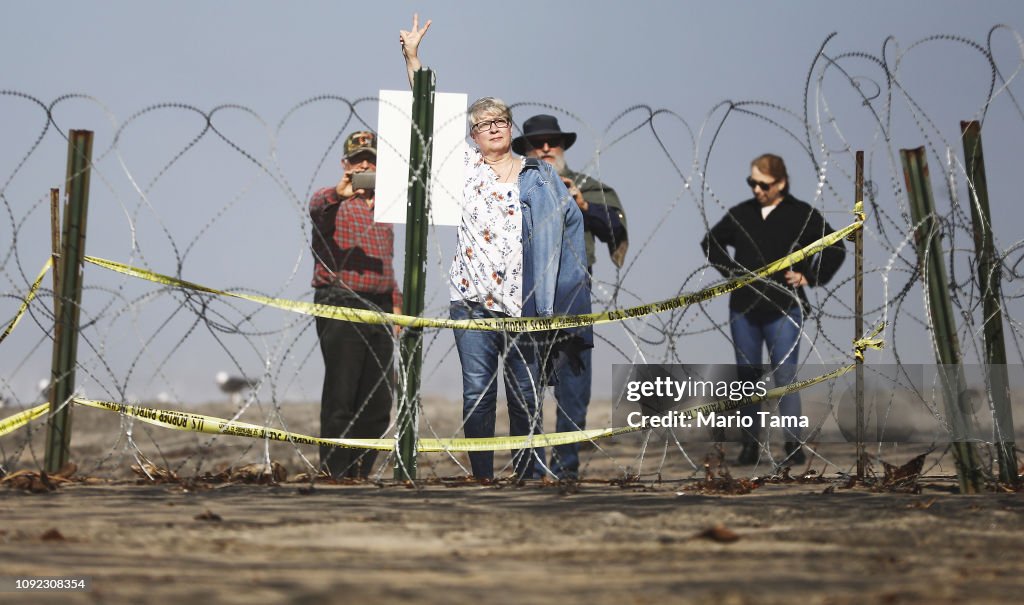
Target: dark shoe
[
  {"x": 795, "y": 453},
  {"x": 748, "y": 455}
]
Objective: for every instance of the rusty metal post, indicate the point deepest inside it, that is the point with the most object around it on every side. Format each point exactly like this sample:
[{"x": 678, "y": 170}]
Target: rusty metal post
[
  {"x": 65, "y": 343},
  {"x": 55, "y": 243},
  {"x": 989, "y": 275},
  {"x": 858, "y": 314},
  {"x": 940, "y": 309}
]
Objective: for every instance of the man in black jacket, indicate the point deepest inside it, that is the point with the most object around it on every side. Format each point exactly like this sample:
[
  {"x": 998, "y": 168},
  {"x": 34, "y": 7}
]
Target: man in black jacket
[{"x": 770, "y": 311}]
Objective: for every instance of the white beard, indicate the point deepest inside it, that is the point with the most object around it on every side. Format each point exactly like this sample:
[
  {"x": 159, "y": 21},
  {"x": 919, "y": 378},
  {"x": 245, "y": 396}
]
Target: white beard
[{"x": 559, "y": 164}]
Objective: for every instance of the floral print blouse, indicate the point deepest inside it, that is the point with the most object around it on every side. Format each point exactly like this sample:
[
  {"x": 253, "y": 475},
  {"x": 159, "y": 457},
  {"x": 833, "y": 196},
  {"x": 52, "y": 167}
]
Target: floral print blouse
[{"x": 488, "y": 263}]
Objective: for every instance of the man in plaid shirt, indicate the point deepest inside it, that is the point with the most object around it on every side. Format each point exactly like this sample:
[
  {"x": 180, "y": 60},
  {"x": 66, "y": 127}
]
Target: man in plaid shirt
[{"x": 352, "y": 268}]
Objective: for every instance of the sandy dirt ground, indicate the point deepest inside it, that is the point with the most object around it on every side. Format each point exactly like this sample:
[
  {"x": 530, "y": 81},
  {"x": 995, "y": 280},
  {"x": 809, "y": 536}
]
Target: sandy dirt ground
[{"x": 645, "y": 526}]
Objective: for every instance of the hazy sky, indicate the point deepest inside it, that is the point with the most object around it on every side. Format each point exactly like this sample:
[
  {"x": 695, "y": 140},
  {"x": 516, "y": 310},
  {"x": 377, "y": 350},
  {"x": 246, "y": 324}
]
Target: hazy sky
[{"x": 226, "y": 206}]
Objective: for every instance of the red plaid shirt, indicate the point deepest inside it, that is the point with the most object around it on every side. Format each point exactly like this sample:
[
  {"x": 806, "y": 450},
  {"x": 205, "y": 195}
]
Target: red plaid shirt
[{"x": 349, "y": 249}]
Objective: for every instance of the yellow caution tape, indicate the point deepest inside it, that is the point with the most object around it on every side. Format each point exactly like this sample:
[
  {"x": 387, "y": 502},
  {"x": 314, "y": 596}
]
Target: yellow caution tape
[
  {"x": 15, "y": 422},
  {"x": 28, "y": 298},
  {"x": 200, "y": 423},
  {"x": 858, "y": 213},
  {"x": 515, "y": 442},
  {"x": 868, "y": 342},
  {"x": 510, "y": 324}
]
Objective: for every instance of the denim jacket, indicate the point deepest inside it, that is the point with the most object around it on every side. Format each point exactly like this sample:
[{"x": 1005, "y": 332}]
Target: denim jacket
[{"x": 555, "y": 280}]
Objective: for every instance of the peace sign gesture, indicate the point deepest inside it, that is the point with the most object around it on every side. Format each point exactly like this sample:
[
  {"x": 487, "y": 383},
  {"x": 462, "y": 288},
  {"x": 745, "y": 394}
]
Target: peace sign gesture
[{"x": 410, "y": 40}]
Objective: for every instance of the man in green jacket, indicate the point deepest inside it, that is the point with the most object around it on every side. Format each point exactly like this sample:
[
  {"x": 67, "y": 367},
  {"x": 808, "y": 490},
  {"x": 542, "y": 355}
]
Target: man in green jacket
[{"x": 604, "y": 219}]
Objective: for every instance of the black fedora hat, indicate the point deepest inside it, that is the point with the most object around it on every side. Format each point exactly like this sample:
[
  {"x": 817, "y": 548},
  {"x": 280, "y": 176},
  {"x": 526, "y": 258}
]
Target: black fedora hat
[{"x": 541, "y": 125}]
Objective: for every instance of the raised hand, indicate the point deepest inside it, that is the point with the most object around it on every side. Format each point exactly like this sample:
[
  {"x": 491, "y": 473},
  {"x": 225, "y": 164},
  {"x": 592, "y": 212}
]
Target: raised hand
[
  {"x": 410, "y": 40},
  {"x": 576, "y": 194}
]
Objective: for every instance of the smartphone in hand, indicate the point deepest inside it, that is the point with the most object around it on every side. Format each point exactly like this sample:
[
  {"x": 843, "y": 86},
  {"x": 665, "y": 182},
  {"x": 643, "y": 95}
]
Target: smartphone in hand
[{"x": 364, "y": 180}]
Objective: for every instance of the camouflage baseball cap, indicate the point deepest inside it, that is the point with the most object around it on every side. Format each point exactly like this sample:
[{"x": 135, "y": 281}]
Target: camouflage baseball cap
[{"x": 359, "y": 142}]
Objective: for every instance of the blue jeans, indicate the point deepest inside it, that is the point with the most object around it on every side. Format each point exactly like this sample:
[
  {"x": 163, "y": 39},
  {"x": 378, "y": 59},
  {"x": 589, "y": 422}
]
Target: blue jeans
[
  {"x": 781, "y": 334},
  {"x": 479, "y": 352},
  {"x": 572, "y": 393}
]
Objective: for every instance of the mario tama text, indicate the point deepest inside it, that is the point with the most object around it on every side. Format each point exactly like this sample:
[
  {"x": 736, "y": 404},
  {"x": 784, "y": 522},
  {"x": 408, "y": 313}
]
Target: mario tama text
[
  {"x": 713, "y": 420},
  {"x": 669, "y": 396}
]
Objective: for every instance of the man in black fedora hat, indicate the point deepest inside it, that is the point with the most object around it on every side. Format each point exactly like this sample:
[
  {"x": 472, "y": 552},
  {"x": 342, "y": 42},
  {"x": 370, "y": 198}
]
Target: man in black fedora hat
[{"x": 602, "y": 218}]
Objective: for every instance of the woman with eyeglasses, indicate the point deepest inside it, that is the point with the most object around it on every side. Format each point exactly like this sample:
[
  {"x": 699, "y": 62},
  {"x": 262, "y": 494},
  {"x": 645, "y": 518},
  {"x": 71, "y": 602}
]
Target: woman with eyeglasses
[
  {"x": 520, "y": 253},
  {"x": 769, "y": 312}
]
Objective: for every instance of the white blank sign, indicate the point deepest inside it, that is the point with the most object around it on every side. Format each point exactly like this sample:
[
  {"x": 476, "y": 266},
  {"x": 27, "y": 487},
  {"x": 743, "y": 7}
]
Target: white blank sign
[{"x": 394, "y": 124}]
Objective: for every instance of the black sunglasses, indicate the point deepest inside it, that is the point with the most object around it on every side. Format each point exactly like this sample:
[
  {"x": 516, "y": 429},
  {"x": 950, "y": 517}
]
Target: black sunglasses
[
  {"x": 764, "y": 186},
  {"x": 538, "y": 142}
]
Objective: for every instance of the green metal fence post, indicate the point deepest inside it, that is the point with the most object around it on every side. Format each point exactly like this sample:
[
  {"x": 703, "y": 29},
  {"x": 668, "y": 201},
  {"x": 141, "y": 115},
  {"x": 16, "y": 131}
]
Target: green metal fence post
[
  {"x": 989, "y": 274},
  {"x": 417, "y": 221},
  {"x": 65, "y": 342},
  {"x": 931, "y": 260}
]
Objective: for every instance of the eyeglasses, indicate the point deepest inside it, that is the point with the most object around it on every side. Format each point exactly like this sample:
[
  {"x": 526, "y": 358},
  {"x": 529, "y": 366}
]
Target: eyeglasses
[
  {"x": 539, "y": 143},
  {"x": 756, "y": 184},
  {"x": 486, "y": 124},
  {"x": 362, "y": 156}
]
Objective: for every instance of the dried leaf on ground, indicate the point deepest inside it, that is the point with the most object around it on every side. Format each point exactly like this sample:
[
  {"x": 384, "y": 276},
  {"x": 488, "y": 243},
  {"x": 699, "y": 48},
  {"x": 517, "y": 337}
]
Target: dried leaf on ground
[
  {"x": 36, "y": 482},
  {"x": 299, "y": 478},
  {"x": 910, "y": 470},
  {"x": 903, "y": 476},
  {"x": 718, "y": 480},
  {"x": 719, "y": 533},
  {"x": 726, "y": 485},
  {"x": 258, "y": 473},
  {"x": 155, "y": 474}
]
